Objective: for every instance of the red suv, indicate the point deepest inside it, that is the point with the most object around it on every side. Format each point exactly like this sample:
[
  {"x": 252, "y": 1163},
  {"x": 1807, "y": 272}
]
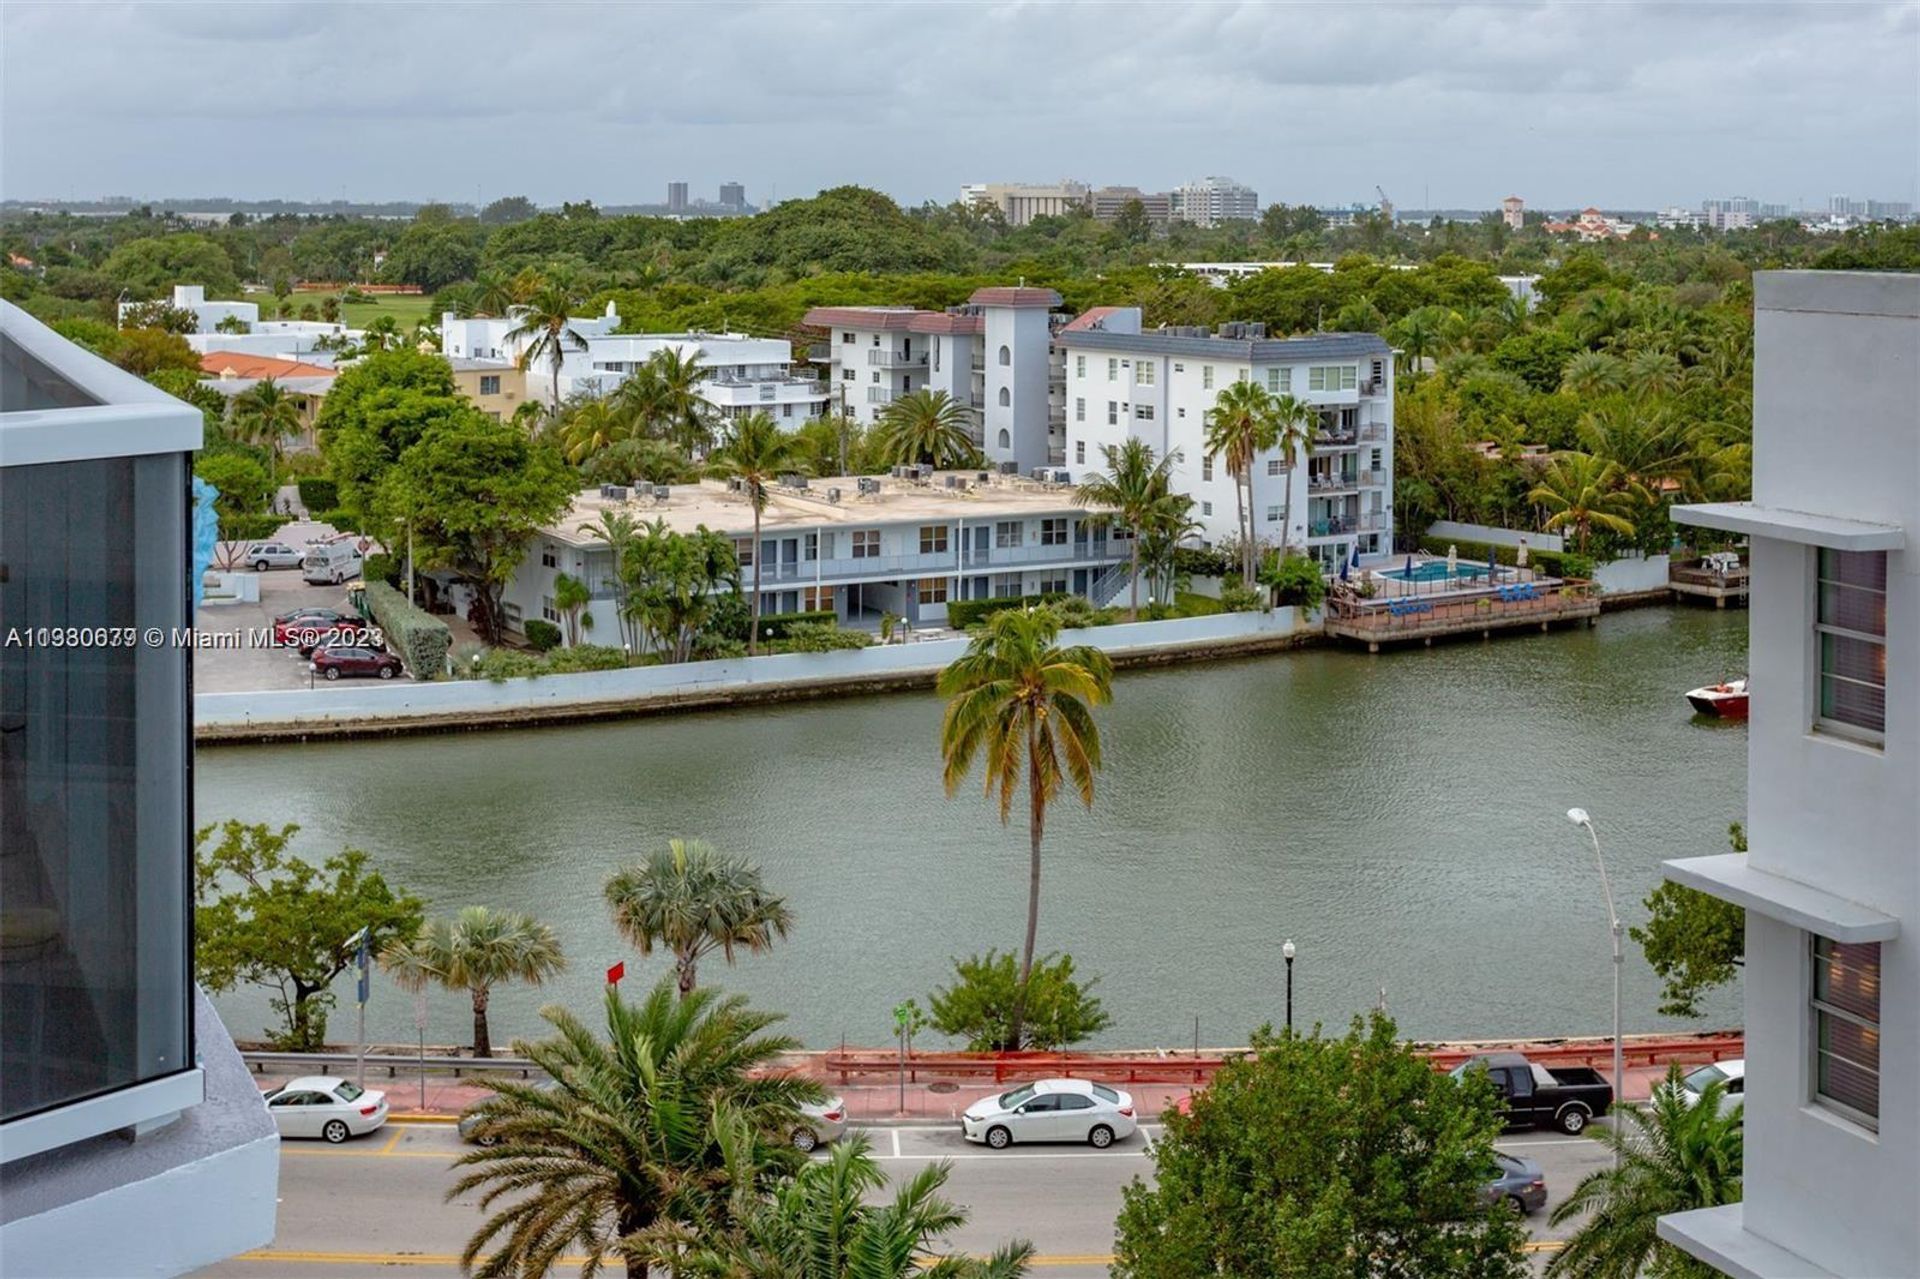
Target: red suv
[
  {"x": 341, "y": 635},
  {"x": 287, "y": 625},
  {"x": 350, "y": 660}
]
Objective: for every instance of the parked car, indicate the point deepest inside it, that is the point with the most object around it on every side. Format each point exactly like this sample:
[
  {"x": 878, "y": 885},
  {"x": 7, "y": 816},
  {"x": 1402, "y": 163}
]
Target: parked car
[
  {"x": 1731, "y": 1074},
  {"x": 305, "y": 618},
  {"x": 1519, "y": 1182},
  {"x": 824, "y": 1122},
  {"x": 1051, "y": 1110},
  {"x": 354, "y": 634},
  {"x": 1567, "y": 1099},
  {"x": 347, "y": 661},
  {"x": 266, "y": 555},
  {"x": 333, "y": 561},
  {"x": 325, "y": 1107}
]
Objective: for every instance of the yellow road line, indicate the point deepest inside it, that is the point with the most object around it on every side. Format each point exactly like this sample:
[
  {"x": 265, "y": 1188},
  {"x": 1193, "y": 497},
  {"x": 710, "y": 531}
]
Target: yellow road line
[
  {"x": 444, "y": 1156},
  {"x": 392, "y": 1142}
]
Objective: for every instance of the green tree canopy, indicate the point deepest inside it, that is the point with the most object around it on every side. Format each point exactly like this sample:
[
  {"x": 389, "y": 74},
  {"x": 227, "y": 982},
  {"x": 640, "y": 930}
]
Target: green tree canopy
[
  {"x": 690, "y": 899},
  {"x": 674, "y": 582},
  {"x": 376, "y": 410}
]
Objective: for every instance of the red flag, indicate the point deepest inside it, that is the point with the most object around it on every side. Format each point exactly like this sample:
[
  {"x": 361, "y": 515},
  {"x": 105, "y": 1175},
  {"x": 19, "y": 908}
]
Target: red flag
[{"x": 615, "y": 973}]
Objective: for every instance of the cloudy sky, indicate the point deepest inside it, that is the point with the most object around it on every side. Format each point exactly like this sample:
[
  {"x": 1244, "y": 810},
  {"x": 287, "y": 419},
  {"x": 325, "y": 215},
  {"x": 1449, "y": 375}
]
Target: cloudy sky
[{"x": 1575, "y": 103}]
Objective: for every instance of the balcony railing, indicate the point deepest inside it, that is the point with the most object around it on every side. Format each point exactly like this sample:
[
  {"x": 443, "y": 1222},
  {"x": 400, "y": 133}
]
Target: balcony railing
[
  {"x": 1372, "y": 479},
  {"x": 1370, "y": 521},
  {"x": 885, "y": 357},
  {"x": 1046, "y": 553},
  {"x": 1324, "y": 483},
  {"x": 1373, "y": 432},
  {"x": 932, "y": 563},
  {"x": 879, "y": 395},
  {"x": 1332, "y": 528}
]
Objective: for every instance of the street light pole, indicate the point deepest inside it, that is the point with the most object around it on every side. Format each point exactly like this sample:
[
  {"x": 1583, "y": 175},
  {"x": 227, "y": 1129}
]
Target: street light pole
[
  {"x": 1579, "y": 817},
  {"x": 1287, "y": 953}
]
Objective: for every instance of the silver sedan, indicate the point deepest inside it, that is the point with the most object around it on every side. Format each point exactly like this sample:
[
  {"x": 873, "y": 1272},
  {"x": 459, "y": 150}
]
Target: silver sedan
[{"x": 1052, "y": 1110}]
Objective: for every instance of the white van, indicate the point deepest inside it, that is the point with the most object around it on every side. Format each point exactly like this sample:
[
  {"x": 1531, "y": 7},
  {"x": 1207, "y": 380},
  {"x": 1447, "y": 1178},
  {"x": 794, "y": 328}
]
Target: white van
[{"x": 331, "y": 562}]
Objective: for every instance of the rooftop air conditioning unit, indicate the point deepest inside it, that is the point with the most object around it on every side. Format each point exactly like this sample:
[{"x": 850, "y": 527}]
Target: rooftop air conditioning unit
[
  {"x": 735, "y": 484},
  {"x": 867, "y": 484},
  {"x": 661, "y": 492},
  {"x": 833, "y": 495},
  {"x": 981, "y": 477},
  {"x": 615, "y": 492},
  {"x": 1041, "y": 473},
  {"x": 1009, "y": 468},
  {"x": 924, "y": 470},
  {"x": 954, "y": 481},
  {"x": 606, "y": 490}
]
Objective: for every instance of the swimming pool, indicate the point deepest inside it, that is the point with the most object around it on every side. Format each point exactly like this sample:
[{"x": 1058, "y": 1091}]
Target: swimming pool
[{"x": 1435, "y": 571}]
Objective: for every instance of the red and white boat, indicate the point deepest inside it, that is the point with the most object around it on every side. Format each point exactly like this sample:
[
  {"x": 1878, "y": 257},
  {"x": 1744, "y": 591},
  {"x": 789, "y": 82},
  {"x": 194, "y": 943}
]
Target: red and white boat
[{"x": 1727, "y": 700}]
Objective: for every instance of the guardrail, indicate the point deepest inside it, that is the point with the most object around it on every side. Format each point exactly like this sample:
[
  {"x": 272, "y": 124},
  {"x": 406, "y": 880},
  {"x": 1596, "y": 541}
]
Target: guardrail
[{"x": 336, "y": 1063}]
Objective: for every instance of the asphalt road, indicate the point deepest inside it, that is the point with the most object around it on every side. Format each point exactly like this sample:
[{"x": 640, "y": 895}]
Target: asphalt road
[{"x": 361, "y": 1210}]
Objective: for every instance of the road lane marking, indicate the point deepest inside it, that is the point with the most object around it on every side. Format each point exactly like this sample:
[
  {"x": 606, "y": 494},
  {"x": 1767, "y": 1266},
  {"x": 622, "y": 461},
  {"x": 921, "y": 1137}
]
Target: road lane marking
[
  {"x": 446, "y": 1157},
  {"x": 896, "y": 1143},
  {"x": 391, "y": 1142}
]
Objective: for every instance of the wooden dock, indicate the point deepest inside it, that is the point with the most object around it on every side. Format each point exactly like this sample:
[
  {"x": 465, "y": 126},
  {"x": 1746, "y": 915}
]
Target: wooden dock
[
  {"x": 1705, "y": 584},
  {"x": 1390, "y": 621}
]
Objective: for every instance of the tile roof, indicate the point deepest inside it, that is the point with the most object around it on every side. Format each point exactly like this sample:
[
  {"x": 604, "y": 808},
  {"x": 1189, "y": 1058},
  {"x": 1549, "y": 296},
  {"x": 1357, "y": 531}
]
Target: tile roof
[
  {"x": 947, "y": 322},
  {"x": 867, "y": 319},
  {"x": 228, "y": 364},
  {"x": 1090, "y": 318},
  {"x": 1015, "y": 297}
]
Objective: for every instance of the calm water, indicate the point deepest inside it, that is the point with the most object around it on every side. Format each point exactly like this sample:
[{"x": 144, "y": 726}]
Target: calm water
[{"x": 1400, "y": 817}]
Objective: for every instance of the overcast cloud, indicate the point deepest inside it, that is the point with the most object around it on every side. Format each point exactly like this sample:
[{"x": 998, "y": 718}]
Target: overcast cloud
[{"x": 1620, "y": 105}]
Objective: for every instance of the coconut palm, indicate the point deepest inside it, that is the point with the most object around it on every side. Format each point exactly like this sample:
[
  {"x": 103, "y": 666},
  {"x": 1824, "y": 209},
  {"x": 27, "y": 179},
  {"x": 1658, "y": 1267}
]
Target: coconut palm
[
  {"x": 619, "y": 530},
  {"x": 382, "y": 333},
  {"x": 1019, "y": 703},
  {"x": 926, "y": 426},
  {"x": 1653, "y": 372},
  {"x": 691, "y": 900},
  {"x": 1671, "y": 1157},
  {"x": 476, "y": 951},
  {"x": 1592, "y": 373},
  {"x": 1584, "y": 492},
  {"x": 1132, "y": 490},
  {"x": 494, "y": 294},
  {"x": 756, "y": 453},
  {"x": 684, "y": 417},
  {"x": 571, "y": 596},
  {"x": 1241, "y": 425},
  {"x": 266, "y": 416},
  {"x": 589, "y": 428},
  {"x": 626, "y": 1139},
  {"x": 1419, "y": 334},
  {"x": 548, "y": 332},
  {"x": 1294, "y": 422}
]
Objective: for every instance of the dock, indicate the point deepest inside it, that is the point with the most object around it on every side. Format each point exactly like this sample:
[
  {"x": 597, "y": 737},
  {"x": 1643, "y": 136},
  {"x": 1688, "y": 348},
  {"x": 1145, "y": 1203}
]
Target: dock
[
  {"x": 1549, "y": 603},
  {"x": 1707, "y": 584}
]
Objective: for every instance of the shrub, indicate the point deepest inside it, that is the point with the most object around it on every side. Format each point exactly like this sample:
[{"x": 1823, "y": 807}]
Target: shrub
[
  {"x": 381, "y": 567},
  {"x": 775, "y": 626},
  {"x": 709, "y": 646},
  {"x": 1236, "y": 598},
  {"x": 420, "y": 639},
  {"x": 498, "y": 664},
  {"x": 978, "y": 1007},
  {"x": 1198, "y": 562},
  {"x": 820, "y": 637},
  {"x": 342, "y": 519},
  {"x": 542, "y": 635},
  {"x": 249, "y": 528},
  {"x": 1552, "y": 563},
  {"x": 318, "y": 493},
  {"x": 1296, "y": 580},
  {"x": 965, "y": 613},
  {"x": 242, "y": 481}
]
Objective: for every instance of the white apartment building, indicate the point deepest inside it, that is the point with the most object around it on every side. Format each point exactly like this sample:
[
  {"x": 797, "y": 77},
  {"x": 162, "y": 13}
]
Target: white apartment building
[
  {"x": 1831, "y": 884},
  {"x": 285, "y": 338},
  {"x": 1021, "y": 202},
  {"x": 1211, "y": 201},
  {"x": 858, "y": 545},
  {"x": 1159, "y": 385}
]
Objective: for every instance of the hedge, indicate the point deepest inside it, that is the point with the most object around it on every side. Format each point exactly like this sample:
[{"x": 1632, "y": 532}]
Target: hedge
[
  {"x": 343, "y": 520},
  {"x": 421, "y": 639},
  {"x": 964, "y": 613},
  {"x": 774, "y": 626},
  {"x": 318, "y": 493},
  {"x": 249, "y": 528},
  {"x": 381, "y": 567},
  {"x": 1552, "y": 563},
  {"x": 542, "y": 634}
]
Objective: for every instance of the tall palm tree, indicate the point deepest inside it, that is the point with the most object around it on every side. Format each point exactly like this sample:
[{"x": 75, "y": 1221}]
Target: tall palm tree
[
  {"x": 627, "y": 1136},
  {"x": 756, "y": 453},
  {"x": 476, "y": 951},
  {"x": 1672, "y": 1157},
  {"x": 588, "y": 428},
  {"x": 493, "y": 294},
  {"x": 1132, "y": 491},
  {"x": 1418, "y": 335},
  {"x": 926, "y": 426},
  {"x": 266, "y": 416},
  {"x": 548, "y": 332},
  {"x": 1653, "y": 372},
  {"x": 1584, "y": 492},
  {"x": 685, "y": 417},
  {"x": 619, "y": 530},
  {"x": 1241, "y": 425},
  {"x": 692, "y": 900},
  {"x": 382, "y": 333},
  {"x": 1025, "y": 705},
  {"x": 1294, "y": 422}
]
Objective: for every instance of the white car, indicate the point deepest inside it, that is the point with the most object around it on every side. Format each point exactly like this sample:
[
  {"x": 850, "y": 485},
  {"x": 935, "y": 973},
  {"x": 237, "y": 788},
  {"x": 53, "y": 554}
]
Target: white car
[
  {"x": 265, "y": 555},
  {"x": 325, "y": 1107},
  {"x": 1733, "y": 1074},
  {"x": 1051, "y": 1110},
  {"x": 824, "y": 1122}
]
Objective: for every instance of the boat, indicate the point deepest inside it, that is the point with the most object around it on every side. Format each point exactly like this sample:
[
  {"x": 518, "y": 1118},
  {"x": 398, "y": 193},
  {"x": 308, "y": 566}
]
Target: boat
[{"x": 1727, "y": 700}]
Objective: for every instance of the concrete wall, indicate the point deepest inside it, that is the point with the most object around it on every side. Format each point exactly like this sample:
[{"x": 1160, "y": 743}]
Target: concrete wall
[{"x": 1497, "y": 536}]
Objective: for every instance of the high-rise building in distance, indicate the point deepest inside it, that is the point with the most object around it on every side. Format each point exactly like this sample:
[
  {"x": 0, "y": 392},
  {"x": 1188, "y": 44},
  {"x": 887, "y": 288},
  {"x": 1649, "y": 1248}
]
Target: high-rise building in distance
[
  {"x": 1513, "y": 212},
  {"x": 1211, "y": 201},
  {"x": 733, "y": 195},
  {"x": 676, "y": 197}
]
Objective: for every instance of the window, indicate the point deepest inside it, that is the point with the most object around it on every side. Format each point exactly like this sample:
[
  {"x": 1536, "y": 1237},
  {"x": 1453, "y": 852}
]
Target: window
[
  {"x": 849, "y": 375},
  {"x": 933, "y": 539},
  {"x": 1053, "y": 532},
  {"x": 1079, "y": 408},
  {"x": 1006, "y": 355},
  {"x": 1179, "y": 367},
  {"x": 933, "y": 590},
  {"x": 866, "y": 543},
  {"x": 1852, "y": 629},
  {"x": 1846, "y": 1028},
  {"x": 1006, "y": 437},
  {"x": 1333, "y": 377},
  {"x": 1240, "y": 375},
  {"x": 1079, "y": 366},
  {"x": 489, "y": 385},
  {"x": 1144, "y": 412},
  {"x": 547, "y": 558},
  {"x": 1008, "y": 533},
  {"x": 743, "y": 551},
  {"x": 1273, "y": 515},
  {"x": 1113, "y": 369},
  {"x": 1143, "y": 372},
  {"x": 1006, "y": 397},
  {"x": 1273, "y": 466},
  {"x": 846, "y": 339},
  {"x": 810, "y": 547},
  {"x": 1113, "y": 412},
  {"x": 1280, "y": 381},
  {"x": 874, "y": 376},
  {"x": 1052, "y": 586},
  {"x": 1181, "y": 412},
  {"x": 817, "y": 599},
  {"x": 1206, "y": 468},
  {"x": 1079, "y": 452},
  {"x": 1074, "y": 1101},
  {"x": 786, "y": 410},
  {"x": 1206, "y": 508},
  {"x": 1206, "y": 377},
  {"x": 548, "y": 609}
]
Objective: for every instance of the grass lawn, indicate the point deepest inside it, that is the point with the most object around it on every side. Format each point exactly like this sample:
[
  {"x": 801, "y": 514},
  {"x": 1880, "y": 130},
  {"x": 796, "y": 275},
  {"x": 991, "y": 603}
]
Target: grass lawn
[
  {"x": 407, "y": 309},
  {"x": 1188, "y": 604}
]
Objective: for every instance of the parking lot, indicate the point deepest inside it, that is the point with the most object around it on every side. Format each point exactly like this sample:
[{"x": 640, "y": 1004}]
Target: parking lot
[{"x": 252, "y": 666}]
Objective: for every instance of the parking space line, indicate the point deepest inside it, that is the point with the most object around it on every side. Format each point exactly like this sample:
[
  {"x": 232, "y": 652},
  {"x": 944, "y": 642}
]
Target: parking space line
[
  {"x": 393, "y": 1141},
  {"x": 896, "y": 1143}
]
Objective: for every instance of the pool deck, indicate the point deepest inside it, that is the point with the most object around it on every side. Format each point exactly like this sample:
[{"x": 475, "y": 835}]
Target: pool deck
[{"x": 1386, "y": 619}]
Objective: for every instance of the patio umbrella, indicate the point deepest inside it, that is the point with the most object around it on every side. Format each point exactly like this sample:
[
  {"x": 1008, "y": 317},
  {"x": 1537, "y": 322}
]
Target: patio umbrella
[
  {"x": 1343, "y": 570},
  {"x": 1409, "y": 566},
  {"x": 1453, "y": 559}
]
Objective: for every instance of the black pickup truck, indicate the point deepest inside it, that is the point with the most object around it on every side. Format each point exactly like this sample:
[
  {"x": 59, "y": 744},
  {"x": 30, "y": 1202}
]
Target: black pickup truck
[{"x": 1567, "y": 1099}]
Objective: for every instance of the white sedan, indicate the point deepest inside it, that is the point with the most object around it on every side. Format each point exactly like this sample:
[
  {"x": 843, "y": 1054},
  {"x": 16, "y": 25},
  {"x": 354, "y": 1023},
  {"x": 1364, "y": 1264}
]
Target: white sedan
[
  {"x": 826, "y": 1121},
  {"x": 1731, "y": 1074},
  {"x": 1052, "y": 1110},
  {"x": 325, "y": 1107}
]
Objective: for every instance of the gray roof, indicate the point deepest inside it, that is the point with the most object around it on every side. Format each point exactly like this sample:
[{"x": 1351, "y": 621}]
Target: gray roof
[{"x": 1317, "y": 346}]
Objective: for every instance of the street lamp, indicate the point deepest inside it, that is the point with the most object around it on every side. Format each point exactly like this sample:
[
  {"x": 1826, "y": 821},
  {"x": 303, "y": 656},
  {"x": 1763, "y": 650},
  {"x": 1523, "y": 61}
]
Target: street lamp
[
  {"x": 1578, "y": 816},
  {"x": 1287, "y": 953}
]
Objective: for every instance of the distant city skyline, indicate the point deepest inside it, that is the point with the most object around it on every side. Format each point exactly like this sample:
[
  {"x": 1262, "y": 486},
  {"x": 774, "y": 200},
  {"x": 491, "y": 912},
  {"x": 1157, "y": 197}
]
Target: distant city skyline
[{"x": 1443, "y": 107}]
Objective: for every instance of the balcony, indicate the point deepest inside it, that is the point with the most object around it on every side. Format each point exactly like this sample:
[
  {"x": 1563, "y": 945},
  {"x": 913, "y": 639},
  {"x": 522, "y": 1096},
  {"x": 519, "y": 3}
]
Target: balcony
[
  {"x": 1322, "y": 482},
  {"x": 879, "y": 395},
  {"x": 1046, "y": 553},
  {"x": 1372, "y": 432},
  {"x": 1372, "y": 479},
  {"x": 1334, "y": 527},
  {"x": 886, "y": 358}
]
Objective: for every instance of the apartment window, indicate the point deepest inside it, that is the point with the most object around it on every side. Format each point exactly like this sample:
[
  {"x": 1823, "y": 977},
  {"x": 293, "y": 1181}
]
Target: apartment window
[
  {"x": 849, "y": 375},
  {"x": 1113, "y": 369},
  {"x": 1006, "y": 438},
  {"x": 1273, "y": 466},
  {"x": 866, "y": 543},
  {"x": 547, "y": 558},
  {"x": 1006, "y": 355},
  {"x": 933, "y": 590},
  {"x": 743, "y": 551},
  {"x": 1273, "y": 515},
  {"x": 1144, "y": 412},
  {"x": 1375, "y": 459},
  {"x": 1079, "y": 408},
  {"x": 1143, "y": 372},
  {"x": 1240, "y": 375},
  {"x": 933, "y": 539},
  {"x": 1846, "y": 1028},
  {"x": 876, "y": 339},
  {"x": 1280, "y": 381},
  {"x": 1079, "y": 366},
  {"x": 1333, "y": 377},
  {"x": 1113, "y": 412},
  {"x": 810, "y": 547},
  {"x": 1206, "y": 377},
  {"x": 1181, "y": 412},
  {"x": 549, "y": 610},
  {"x": 1053, "y": 532},
  {"x": 1008, "y": 533},
  {"x": 1206, "y": 508},
  {"x": 1206, "y": 468},
  {"x": 874, "y": 376},
  {"x": 489, "y": 385},
  {"x": 817, "y": 599},
  {"x": 1179, "y": 367},
  {"x": 1052, "y": 586},
  {"x": 1079, "y": 452},
  {"x": 846, "y": 339},
  {"x": 786, "y": 410},
  {"x": 1851, "y": 627}
]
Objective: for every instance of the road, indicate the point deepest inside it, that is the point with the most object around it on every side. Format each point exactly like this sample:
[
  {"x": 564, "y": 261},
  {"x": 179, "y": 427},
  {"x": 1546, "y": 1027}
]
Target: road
[{"x": 358, "y": 1211}]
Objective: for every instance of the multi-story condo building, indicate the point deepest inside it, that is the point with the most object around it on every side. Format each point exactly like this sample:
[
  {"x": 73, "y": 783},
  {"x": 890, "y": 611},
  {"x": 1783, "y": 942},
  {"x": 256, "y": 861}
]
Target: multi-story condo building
[
  {"x": 733, "y": 196},
  {"x": 676, "y": 197},
  {"x": 1513, "y": 212},
  {"x": 1831, "y": 881},
  {"x": 1160, "y": 384},
  {"x": 1735, "y": 213},
  {"x": 1211, "y": 201},
  {"x": 1107, "y": 202},
  {"x": 1021, "y": 202},
  {"x": 858, "y": 545},
  {"x": 132, "y": 1138},
  {"x": 247, "y": 333}
]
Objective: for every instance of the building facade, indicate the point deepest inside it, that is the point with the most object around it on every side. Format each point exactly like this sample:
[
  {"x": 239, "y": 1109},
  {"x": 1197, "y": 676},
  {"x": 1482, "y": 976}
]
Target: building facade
[
  {"x": 1021, "y": 202},
  {"x": 1211, "y": 201},
  {"x": 1831, "y": 881},
  {"x": 496, "y": 389},
  {"x": 1513, "y": 212},
  {"x": 246, "y": 333},
  {"x": 1108, "y": 202},
  {"x": 676, "y": 197}
]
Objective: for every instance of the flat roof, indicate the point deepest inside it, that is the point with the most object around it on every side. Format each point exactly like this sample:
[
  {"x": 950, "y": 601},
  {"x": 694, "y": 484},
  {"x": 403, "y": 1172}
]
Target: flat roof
[
  {"x": 709, "y": 502},
  {"x": 1317, "y": 346},
  {"x": 1804, "y": 527}
]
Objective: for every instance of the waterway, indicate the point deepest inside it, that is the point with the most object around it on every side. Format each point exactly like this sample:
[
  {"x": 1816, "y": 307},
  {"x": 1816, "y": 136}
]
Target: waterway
[{"x": 1400, "y": 817}]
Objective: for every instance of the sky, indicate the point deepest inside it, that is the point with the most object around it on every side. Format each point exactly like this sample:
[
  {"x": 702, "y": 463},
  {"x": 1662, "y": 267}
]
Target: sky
[{"x": 1620, "y": 105}]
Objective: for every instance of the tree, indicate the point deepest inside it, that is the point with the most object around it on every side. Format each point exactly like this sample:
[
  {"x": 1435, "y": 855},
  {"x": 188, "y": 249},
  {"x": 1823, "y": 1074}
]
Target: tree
[
  {"x": 287, "y": 924},
  {"x": 1675, "y": 1155},
  {"x": 475, "y": 951},
  {"x": 925, "y": 426},
  {"x": 243, "y": 483},
  {"x": 1324, "y": 1157},
  {"x": 691, "y": 900},
  {"x": 1242, "y": 424},
  {"x": 144, "y": 352},
  {"x": 1693, "y": 940},
  {"x": 377, "y": 409},
  {"x": 756, "y": 453},
  {"x": 168, "y": 318},
  {"x": 149, "y": 265},
  {"x": 510, "y": 208},
  {"x": 673, "y": 388},
  {"x": 548, "y": 332},
  {"x": 571, "y": 597},
  {"x": 979, "y": 1006},
  {"x": 674, "y": 581},
  {"x": 628, "y": 1138},
  {"x": 475, "y": 491},
  {"x": 266, "y": 416},
  {"x": 1584, "y": 492},
  {"x": 1294, "y": 423},
  {"x": 1133, "y": 490},
  {"x": 617, "y": 529},
  {"x": 1014, "y": 698}
]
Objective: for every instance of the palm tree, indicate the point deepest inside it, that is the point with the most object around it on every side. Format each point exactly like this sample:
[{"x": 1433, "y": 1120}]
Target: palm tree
[
  {"x": 926, "y": 426},
  {"x": 381, "y": 333},
  {"x": 589, "y": 428},
  {"x": 1295, "y": 421},
  {"x": 692, "y": 900},
  {"x": 548, "y": 332},
  {"x": 619, "y": 530},
  {"x": 1672, "y": 1157},
  {"x": 571, "y": 596},
  {"x": 1652, "y": 372},
  {"x": 1584, "y": 492},
  {"x": 1592, "y": 373},
  {"x": 627, "y": 1136},
  {"x": 1132, "y": 490},
  {"x": 494, "y": 294},
  {"x": 757, "y": 452},
  {"x": 1240, "y": 425},
  {"x": 1418, "y": 336},
  {"x": 684, "y": 416},
  {"x": 476, "y": 951},
  {"x": 1017, "y": 699},
  {"x": 266, "y": 416}
]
